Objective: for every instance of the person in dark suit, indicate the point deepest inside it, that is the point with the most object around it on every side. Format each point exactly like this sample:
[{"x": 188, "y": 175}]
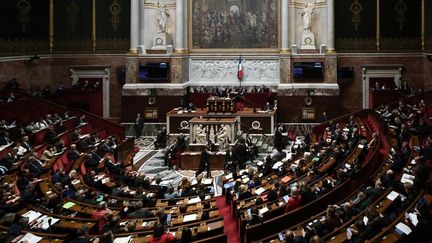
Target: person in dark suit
[
  {"x": 26, "y": 144},
  {"x": 36, "y": 166},
  {"x": 4, "y": 138},
  {"x": 204, "y": 162},
  {"x": 50, "y": 135},
  {"x": 73, "y": 152},
  {"x": 161, "y": 139},
  {"x": 279, "y": 139},
  {"x": 81, "y": 236},
  {"x": 10, "y": 158},
  {"x": 60, "y": 128},
  {"x": 75, "y": 135},
  {"x": 138, "y": 125},
  {"x": 324, "y": 117}
]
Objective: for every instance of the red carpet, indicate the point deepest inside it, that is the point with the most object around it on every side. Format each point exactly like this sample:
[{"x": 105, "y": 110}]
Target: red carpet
[{"x": 230, "y": 225}]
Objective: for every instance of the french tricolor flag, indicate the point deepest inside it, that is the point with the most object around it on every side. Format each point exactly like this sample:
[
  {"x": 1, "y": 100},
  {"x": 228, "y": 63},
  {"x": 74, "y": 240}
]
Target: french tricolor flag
[{"x": 240, "y": 73}]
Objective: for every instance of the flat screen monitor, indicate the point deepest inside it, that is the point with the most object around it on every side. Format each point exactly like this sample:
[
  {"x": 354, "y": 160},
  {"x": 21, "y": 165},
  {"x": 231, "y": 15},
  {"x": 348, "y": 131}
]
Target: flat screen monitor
[
  {"x": 154, "y": 71},
  {"x": 308, "y": 71}
]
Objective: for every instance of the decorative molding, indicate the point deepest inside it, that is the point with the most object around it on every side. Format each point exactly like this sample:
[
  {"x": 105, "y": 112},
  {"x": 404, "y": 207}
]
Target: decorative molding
[{"x": 306, "y": 89}]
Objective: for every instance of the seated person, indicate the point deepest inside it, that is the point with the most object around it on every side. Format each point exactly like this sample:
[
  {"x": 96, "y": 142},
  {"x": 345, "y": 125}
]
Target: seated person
[
  {"x": 36, "y": 166},
  {"x": 191, "y": 106},
  {"x": 75, "y": 135},
  {"x": 73, "y": 152},
  {"x": 60, "y": 128},
  {"x": 48, "y": 153},
  {"x": 161, "y": 139},
  {"x": 50, "y": 135}
]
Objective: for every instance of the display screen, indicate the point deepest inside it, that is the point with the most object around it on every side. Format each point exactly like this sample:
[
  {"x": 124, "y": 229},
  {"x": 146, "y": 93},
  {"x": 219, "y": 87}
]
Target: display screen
[
  {"x": 308, "y": 71},
  {"x": 155, "y": 71}
]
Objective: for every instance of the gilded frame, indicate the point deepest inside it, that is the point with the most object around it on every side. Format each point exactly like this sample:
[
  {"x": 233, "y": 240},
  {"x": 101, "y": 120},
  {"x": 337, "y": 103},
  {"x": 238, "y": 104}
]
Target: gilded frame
[{"x": 233, "y": 50}]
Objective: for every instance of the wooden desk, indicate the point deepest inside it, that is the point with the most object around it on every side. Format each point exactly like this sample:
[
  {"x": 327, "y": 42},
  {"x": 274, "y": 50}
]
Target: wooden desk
[
  {"x": 191, "y": 160},
  {"x": 178, "y": 120},
  {"x": 224, "y": 105}
]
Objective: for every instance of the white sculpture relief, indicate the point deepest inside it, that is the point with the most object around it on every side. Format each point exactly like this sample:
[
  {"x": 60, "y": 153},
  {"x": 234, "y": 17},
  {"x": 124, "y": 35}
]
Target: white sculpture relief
[
  {"x": 308, "y": 37},
  {"x": 225, "y": 70},
  {"x": 159, "y": 41}
]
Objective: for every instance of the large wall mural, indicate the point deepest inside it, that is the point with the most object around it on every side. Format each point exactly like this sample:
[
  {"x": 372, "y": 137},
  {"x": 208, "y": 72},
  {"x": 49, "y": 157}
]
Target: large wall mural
[{"x": 232, "y": 24}]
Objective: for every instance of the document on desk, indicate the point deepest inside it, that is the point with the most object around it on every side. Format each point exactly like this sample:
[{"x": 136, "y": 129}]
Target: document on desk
[
  {"x": 207, "y": 181},
  {"x": 407, "y": 178},
  {"x": 123, "y": 239},
  {"x": 190, "y": 217},
  {"x": 68, "y": 205},
  {"x": 277, "y": 165},
  {"x": 32, "y": 215},
  {"x": 259, "y": 190},
  {"x": 392, "y": 195},
  {"x": 46, "y": 224},
  {"x": 403, "y": 228},
  {"x": 30, "y": 238},
  {"x": 262, "y": 211},
  {"x": 194, "y": 200}
]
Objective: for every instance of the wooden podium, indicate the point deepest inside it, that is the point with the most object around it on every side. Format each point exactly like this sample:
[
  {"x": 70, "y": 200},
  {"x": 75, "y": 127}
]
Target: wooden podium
[
  {"x": 191, "y": 160},
  {"x": 220, "y": 105}
]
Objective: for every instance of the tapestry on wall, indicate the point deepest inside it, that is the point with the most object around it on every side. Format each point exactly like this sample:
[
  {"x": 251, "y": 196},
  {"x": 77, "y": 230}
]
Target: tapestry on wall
[{"x": 229, "y": 24}]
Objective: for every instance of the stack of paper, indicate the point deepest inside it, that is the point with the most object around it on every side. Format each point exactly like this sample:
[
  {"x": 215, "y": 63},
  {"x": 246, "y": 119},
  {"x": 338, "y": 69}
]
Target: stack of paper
[
  {"x": 403, "y": 228},
  {"x": 190, "y": 217},
  {"x": 392, "y": 195},
  {"x": 123, "y": 239},
  {"x": 277, "y": 165},
  {"x": 407, "y": 178},
  {"x": 194, "y": 200},
  {"x": 259, "y": 190},
  {"x": 207, "y": 181},
  {"x": 30, "y": 238},
  {"x": 32, "y": 215},
  {"x": 262, "y": 211},
  {"x": 413, "y": 218}
]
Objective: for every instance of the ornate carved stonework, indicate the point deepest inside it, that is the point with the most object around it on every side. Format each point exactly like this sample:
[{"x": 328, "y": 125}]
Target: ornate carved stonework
[
  {"x": 401, "y": 44},
  {"x": 115, "y": 9},
  {"x": 23, "y": 7},
  {"x": 356, "y": 44},
  {"x": 22, "y": 46},
  {"x": 72, "y": 10},
  {"x": 224, "y": 71},
  {"x": 400, "y": 9},
  {"x": 356, "y": 9}
]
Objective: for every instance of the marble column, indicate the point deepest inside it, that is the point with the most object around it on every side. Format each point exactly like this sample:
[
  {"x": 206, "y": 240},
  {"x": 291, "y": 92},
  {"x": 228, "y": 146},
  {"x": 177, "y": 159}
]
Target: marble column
[
  {"x": 179, "y": 26},
  {"x": 142, "y": 23},
  {"x": 134, "y": 27},
  {"x": 330, "y": 27},
  {"x": 284, "y": 26}
]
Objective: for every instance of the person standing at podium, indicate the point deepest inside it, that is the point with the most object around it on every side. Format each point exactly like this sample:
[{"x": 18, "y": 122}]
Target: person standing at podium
[{"x": 204, "y": 162}]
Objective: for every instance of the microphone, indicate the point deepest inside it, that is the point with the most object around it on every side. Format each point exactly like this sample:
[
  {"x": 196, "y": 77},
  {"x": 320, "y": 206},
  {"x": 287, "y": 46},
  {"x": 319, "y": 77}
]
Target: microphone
[{"x": 49, "y": 229}]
